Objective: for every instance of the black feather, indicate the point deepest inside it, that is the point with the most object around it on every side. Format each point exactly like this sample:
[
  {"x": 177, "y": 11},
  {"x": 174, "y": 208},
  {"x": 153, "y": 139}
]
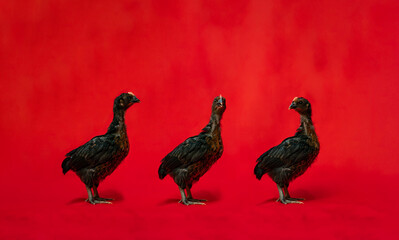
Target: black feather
[
  {"x": 294, "y": 155},
  {"x": 99, "y": 157},
  {"x": 193, "y": 158},
  {"x": 65, "y": 165},
  {"x": 258, "y": 171}
]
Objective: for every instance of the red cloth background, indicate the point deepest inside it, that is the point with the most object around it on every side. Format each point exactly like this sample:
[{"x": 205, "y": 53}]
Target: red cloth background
[{"x": 62, "y": 63}]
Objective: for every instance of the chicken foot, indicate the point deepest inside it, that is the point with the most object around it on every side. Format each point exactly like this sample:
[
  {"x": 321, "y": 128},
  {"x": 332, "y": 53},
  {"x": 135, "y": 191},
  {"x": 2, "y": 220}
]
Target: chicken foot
[
  {"x": 184, "y": 200},
  {"x": 95, "y": 199},
  {"x": 190, "y": 196},
  {"x": 285, "y": 198},
  {"x": 287, "y": 195}
]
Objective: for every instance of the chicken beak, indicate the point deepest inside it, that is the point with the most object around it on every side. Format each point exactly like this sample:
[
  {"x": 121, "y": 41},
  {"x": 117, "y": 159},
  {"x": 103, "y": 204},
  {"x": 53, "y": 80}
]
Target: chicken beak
[
  {"x": 293, "y": 103},
  {"x": 220, "y": 100},
  {"x": 135, "y": 99}
]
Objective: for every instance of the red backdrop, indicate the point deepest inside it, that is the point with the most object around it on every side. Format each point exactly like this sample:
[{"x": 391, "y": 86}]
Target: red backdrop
[{"x": 63, "y": 62}]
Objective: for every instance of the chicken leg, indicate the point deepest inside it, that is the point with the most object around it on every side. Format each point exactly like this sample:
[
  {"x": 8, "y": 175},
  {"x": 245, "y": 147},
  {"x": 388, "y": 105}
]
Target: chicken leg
[
  {"x": 287, "y": 195},
  {"x": 97, "y": 197},
  {"x": 284, "y": 199},
  {"x": 184, "y": 200},
  {"x": 94, "y": 200},
  {"x": 190, "y": 196}
]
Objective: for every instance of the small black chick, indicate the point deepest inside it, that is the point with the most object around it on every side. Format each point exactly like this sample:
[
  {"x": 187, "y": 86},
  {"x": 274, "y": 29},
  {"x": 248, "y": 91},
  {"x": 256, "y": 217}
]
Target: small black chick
[
  {"x": 99, "y": 157},
  {"x": 193, "y": 158},
  {"x": 290, "y": 159}
]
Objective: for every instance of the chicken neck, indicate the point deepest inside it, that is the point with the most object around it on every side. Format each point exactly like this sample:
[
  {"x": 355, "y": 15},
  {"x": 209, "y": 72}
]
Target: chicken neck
[
  {"x": 213, "y": 127},
  {"x": 307, "y": 128},
  {"x": 118, "y": 122}
]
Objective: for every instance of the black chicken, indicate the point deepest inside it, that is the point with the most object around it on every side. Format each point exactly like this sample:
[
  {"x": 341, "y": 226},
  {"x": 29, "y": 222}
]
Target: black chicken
[
  {"x": 290, "y": 159},
  {"x": 193, "y": 158},
  {"x": 99, "y": 157}
]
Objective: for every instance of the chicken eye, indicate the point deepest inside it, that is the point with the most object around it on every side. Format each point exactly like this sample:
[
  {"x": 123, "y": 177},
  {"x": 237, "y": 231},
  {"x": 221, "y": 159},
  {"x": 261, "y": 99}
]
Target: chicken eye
[{"x": 300, "y": 102}]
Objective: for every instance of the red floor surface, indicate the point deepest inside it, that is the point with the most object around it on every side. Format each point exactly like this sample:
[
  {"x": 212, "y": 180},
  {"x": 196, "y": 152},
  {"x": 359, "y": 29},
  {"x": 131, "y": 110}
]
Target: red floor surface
[{"x": 63, "y": 62}]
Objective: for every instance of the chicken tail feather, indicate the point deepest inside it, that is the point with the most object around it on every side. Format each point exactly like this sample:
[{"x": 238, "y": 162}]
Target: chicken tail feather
[
  {"x": 258, "y": 171},
  {"x": 65, "y": 165},
  {"x": 162, "y": 172}
]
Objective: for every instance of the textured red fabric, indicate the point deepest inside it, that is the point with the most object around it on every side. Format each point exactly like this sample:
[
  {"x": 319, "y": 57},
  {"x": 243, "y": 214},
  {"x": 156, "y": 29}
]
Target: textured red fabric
[{"x": 63, "y": 62}]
